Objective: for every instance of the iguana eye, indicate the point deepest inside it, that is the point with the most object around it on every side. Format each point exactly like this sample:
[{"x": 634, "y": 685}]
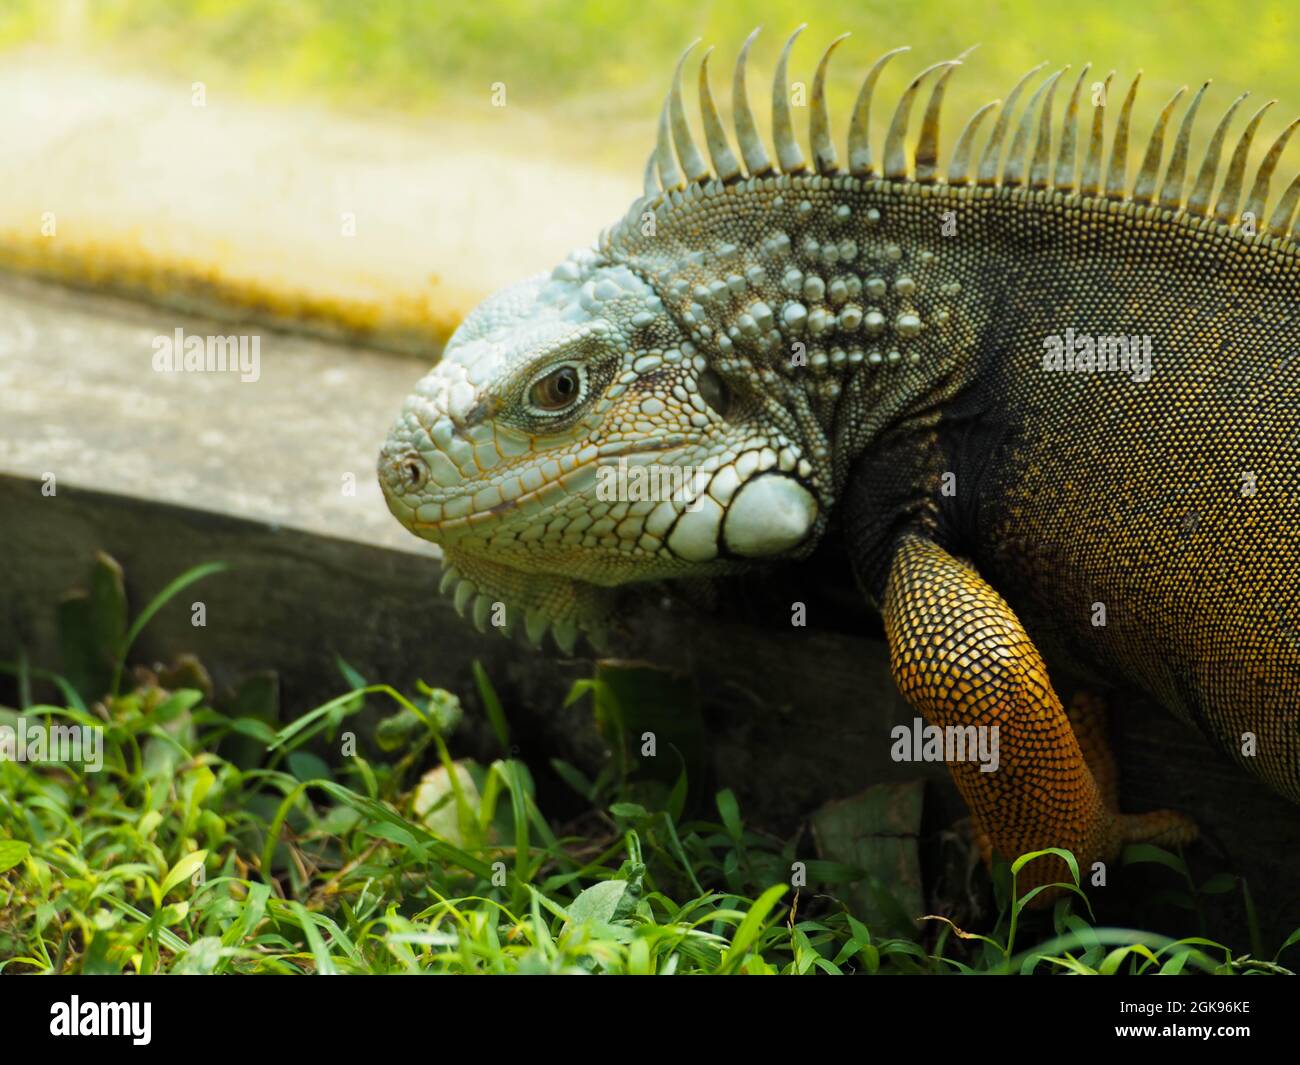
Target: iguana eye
[{"x": 558, "y": 390}]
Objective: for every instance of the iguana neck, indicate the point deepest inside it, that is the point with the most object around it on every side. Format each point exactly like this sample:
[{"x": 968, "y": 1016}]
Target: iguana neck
[{"x": 840, "y": 305}]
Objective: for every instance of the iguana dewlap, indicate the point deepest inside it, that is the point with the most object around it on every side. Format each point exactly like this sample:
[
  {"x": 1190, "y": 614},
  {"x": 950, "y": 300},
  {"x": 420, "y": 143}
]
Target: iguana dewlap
[{"x": 1054, "y": 409}]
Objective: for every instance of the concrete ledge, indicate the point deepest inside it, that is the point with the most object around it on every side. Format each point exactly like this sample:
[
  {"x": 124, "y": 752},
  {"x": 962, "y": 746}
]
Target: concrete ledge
[{"x": 80, "y": 400}]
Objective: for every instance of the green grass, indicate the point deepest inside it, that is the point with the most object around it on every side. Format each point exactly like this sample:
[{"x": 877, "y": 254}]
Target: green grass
[{"x": 213, "y": 842}]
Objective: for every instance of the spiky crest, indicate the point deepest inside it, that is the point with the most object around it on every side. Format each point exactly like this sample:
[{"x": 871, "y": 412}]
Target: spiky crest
[{"x": 676, "y": 163}]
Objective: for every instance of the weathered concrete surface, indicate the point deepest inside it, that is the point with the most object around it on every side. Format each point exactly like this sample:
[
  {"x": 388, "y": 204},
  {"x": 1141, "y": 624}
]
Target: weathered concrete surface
[
  {"x": 365, "y": 227},
  {"x": 80, "y": 399}
]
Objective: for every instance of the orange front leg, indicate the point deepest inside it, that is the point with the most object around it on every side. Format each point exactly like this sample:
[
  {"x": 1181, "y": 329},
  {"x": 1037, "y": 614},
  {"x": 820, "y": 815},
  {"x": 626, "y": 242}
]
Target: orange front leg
[{"x": 961, "y": 657}]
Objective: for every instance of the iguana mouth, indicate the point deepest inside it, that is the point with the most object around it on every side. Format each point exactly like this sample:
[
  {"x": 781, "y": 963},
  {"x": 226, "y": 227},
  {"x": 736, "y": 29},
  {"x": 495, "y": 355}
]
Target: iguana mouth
[
  {"x": 480, "y": 517},
  {"x": 559, "y": 485}
]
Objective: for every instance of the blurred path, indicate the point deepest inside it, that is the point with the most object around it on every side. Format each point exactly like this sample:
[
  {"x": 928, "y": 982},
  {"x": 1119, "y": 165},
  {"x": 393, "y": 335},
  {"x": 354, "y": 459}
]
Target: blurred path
[{"x": 383, "y": 230}]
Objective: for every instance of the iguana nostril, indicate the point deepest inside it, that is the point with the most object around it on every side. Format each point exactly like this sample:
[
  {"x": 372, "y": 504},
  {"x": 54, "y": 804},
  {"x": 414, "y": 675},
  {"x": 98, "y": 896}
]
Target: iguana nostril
[
  {"x": 414, "y": 472},
  {"x": 405, "y": 471}
]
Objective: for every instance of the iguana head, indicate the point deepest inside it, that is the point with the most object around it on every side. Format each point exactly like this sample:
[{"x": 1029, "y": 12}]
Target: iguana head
[{"x": 574, "y": 437}]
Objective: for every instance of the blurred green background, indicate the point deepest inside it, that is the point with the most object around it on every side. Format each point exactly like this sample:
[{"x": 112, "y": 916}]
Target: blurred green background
[{"x": 596, "y": 69}]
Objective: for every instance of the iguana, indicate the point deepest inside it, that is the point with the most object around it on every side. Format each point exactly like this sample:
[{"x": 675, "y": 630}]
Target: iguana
[{"x": 1049, "y": 411}]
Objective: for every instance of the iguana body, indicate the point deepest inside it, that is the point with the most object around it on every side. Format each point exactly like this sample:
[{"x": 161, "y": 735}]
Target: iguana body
[{"x": 805, "y": 337}]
